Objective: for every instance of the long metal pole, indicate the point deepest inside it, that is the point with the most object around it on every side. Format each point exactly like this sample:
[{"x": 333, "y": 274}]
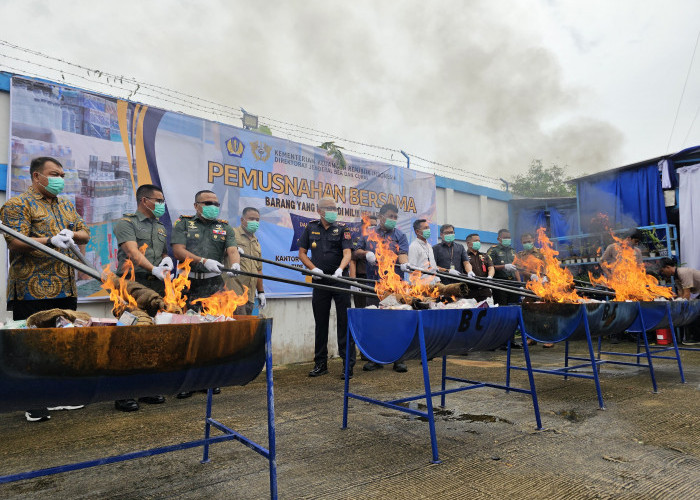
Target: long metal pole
[
  {"x": 53, "y": 253},
  {"x": 472, "y": 281},
  {"x": 302, "y": 283},
  {"x": 309, "y": 273}
]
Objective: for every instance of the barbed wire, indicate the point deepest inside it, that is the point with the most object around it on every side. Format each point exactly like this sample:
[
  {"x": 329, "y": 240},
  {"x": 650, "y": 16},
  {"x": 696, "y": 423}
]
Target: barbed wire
[{"x": 201, "y": 106}]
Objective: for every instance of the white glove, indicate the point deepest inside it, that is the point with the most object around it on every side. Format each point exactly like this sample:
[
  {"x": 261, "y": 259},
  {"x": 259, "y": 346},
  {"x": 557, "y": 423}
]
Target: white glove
[
  {"x": 489, "y": 277},
  {"x": 471, "y": 274},
  {"x": 167, "y": 263},
  {"x": 338, "y": 273},
  {"x": 213, "y": 266},
  {"x": 453, "y": 271},
  {"x": 62, "y": 240},
  {"x": 355, "y": 289},
  {"x": 236, "y": 267},
  {"x": 158, "y": 271},
  {"x": 67, "y": 232},
  {"x": 316, "y": 270},
  {"x": 371, "y": 258},
  {"x": 405, "y": 267},
  {"x": 510, "y": 268},
  {"x": 262, "y": 299},
  {"x": 533, "y": 277},
  {"x": 240, "y": 251},
  {"x": 544, "y": 279}
]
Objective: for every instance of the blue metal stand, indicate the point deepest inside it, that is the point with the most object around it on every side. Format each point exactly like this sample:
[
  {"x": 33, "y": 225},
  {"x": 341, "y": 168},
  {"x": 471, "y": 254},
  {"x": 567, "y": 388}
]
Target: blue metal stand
[
  {"x": 228, "y": 434},
  {"x": 641, "y": 328},
  {"x": 438, "y": 343}
]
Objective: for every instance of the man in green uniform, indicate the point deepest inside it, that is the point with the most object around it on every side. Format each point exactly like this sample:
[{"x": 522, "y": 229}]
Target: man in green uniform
[
  {"x": 132, "y": 232},
  {"x": 248, "y": 244},
  {"x": 207, "y": 241},
  {"x": 502, "y": 256},
  {"x": 143, "y": 227}
]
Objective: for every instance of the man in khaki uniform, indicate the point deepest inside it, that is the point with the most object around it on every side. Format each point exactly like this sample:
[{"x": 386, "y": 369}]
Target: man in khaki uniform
[
  {"x": 687, "y": 286},
  {"x": 132, "y": 232},
  {"x": 248, "y": 244},
  {"x": 143, "y": 227},
  {"x": 207, "y": 241}
]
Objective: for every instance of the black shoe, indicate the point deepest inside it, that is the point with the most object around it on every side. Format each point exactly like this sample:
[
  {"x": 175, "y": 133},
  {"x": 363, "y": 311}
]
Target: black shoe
[
  {"x": 215, "y": 390},
  {"x": 152, "y": 400},
  {"x": 38, "y": 415},
  {"x": 350, "y": 373},
  {"x": 516, "y": 345},
  {"x": 319, "y": 369},
  {"x": 126, "y": 405},
  {"x": 400, "y": 367},
  {"x": 370, "y": 366},
  {"x": 184, "y": 395}
]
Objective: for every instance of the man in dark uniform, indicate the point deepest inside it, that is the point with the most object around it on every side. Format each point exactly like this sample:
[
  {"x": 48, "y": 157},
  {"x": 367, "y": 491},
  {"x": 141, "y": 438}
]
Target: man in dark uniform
[
  {"x": 132, "y": 232},
  {"x": 502, "y": 257},
  {"x": 481, "y": 265},
  {"x": 398, "y": 243},
  {"x": 207, "y": 241},
  {"x": 528, "y": 268},
  {"x": 361, "y": 264},
  {"x": 331, "y": 249},
  {"x": 451, "y": 257}
]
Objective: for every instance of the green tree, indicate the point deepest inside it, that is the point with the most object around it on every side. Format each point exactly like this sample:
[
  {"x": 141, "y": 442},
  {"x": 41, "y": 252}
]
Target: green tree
[
  {"x": 541, "y": 182},
  {"x": 334, "y": 152}
]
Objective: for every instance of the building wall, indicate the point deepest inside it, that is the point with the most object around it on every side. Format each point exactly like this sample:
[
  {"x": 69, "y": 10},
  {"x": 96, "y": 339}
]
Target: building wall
[{"x": 469, "y": 207}]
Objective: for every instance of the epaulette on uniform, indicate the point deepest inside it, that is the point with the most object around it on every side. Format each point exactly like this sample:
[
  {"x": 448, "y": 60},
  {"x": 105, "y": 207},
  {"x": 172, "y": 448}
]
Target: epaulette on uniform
[
  {"x": 130, "y": 214},
  {"x": 187, "y": 217},
  {"x": 222, "y": 221}
]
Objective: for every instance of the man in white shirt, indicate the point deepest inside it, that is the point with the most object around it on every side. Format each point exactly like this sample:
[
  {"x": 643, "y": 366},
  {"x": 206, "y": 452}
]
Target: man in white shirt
[{"x": 420, "y": 252}]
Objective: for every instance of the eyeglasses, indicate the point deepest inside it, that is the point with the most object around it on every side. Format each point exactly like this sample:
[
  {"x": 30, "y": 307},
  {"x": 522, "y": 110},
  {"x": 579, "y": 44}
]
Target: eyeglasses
[
  {"x": 157, "y": 200},
  {"x": 209, "y": 203}
]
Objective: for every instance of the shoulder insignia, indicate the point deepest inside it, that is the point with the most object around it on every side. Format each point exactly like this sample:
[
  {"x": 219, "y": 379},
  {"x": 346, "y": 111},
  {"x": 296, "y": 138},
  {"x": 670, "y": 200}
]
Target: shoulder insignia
[
  {"x": 187, "y": 216},
  {"x": 222, "y": 221},
  {"x": 130, "y": 215}
]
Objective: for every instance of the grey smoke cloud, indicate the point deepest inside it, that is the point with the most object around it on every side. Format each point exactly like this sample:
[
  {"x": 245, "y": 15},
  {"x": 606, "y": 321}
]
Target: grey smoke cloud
[{"x": 472, "y": 84}]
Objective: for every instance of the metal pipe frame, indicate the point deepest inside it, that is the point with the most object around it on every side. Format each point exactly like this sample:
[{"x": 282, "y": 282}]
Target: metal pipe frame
[
  {"x": 429, "y": 394},
  {"x": 228, "y": 435}
]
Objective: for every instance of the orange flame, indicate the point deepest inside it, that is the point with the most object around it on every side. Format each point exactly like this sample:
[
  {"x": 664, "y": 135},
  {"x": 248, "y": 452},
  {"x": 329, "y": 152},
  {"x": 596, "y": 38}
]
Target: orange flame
[
  {"x": 560, "y": 283},
  {"x": 174, "y": 288},
  {"x": 143, "y": 248},
  {"x": 120, "y": 297},
  {"x": 628, "y": 278},
  {"x": 390, "y": 283},
  {"x": 223, "y": 303}
]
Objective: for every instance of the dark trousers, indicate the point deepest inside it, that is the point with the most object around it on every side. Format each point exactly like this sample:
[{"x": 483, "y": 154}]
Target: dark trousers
[
  {"x": 479, "y": 293},
  {"x": 359, "y": 301},
  {"x": 150, "y": 281},
  {"x": 22, "y": 309},
  {"x": 504, "y": 298},
  {"x": 321, "y": 304},
  {"x": 201, "y": 289}
]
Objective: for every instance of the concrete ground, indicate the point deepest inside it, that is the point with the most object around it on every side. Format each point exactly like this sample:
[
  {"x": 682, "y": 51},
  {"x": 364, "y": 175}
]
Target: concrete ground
[{"x": 642, "y": 446}]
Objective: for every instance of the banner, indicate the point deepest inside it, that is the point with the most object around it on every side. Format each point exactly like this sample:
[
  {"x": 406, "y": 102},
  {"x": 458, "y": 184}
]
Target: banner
[{"x": 109, "y": 147}]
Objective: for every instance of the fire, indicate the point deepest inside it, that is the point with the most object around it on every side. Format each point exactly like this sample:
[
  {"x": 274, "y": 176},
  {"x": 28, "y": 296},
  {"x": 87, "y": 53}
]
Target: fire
[
  {"x": 120, "y": 297},
  {"x": 560, "y": 283},
  {"x": 223, "y": 303},
  {"x": 628, "y": 278},
  {"x": 174, "y": 288},
  {"x": 390, "y": 283},
  {"x": 143, "y": 248}
]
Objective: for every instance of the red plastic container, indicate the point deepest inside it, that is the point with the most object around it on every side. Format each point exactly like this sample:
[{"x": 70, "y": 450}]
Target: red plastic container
[{"x": 663, "y": 336}]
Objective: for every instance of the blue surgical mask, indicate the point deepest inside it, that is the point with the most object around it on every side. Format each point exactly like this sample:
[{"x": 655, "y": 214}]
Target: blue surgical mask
[
  {"x": 252, "y": 226},
  {"x": 506, "y": 242},
  {"x": 210, "y": 212},
  {"x": 159, "y": 209},
  {"x": 331, "y": 216},
  {"x": 448, "y": 238},
  {"x": 55, "y": 185},
  {"x": 426, "y": 233},
  {"x": 528, "y": 246},
  {"x": 476, "y": 245},
  {"x": 390, "y": 224}
]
